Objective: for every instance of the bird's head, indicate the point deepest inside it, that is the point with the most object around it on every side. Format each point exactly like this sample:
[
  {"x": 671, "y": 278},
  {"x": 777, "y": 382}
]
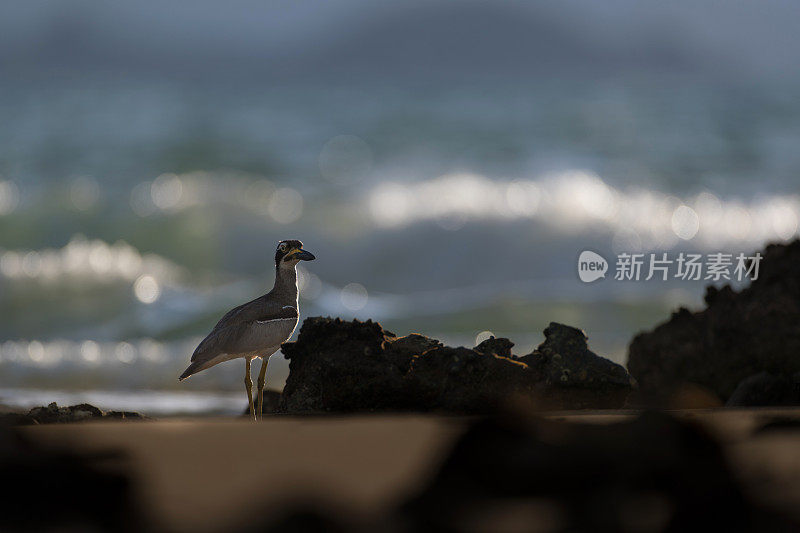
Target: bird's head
[{"x": 290, "y": 252}]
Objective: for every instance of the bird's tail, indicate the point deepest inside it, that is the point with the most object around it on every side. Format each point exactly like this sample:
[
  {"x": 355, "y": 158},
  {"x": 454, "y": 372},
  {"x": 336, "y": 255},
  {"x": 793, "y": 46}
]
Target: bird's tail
[{"x": 191, "y": 369}]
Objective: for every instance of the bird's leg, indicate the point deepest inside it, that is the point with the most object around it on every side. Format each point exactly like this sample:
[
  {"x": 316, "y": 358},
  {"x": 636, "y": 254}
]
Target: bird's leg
[
  {"x": 262, "y": 376},
  {"x": 248, "y": 383}
]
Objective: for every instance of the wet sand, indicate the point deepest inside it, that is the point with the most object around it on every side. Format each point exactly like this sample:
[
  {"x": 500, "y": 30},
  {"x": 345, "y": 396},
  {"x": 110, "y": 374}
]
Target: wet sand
[{"x": 210, "y": 474}]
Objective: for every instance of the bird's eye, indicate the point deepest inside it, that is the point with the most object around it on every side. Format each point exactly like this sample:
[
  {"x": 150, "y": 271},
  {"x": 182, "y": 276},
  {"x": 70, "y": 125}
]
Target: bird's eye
[{"x": 282, "y": 247}]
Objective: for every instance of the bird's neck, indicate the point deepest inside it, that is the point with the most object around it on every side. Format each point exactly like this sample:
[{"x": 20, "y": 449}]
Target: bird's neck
[{"x": 286, "y": 284}]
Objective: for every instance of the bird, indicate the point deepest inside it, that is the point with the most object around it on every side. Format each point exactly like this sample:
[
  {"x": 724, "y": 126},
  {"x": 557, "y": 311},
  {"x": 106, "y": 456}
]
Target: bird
[{"x": 257, "y": 328}]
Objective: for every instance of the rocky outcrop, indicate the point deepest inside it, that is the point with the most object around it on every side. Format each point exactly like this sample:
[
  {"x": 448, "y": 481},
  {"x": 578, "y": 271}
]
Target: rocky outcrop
[
  {"x": 348, "y": 366},
  {"x": 496, "y": 346},
  {"x": 460, "y": 380},
  {"x": 738, "y": 335},
  {"x": 339, "y": 366},
  {"x": 573, "y": 377}
]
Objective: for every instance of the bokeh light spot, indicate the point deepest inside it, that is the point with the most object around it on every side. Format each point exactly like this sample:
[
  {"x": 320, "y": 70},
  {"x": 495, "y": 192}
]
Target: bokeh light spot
[
  {"x": 166, "y": 191},
  {"x": 354, "y": 296},
  {"x": 125, "y": 352},
  {"x": 482, "y": 336},
  {"x": 685, "y": 222},
  {"x": 9, "y": 197},
  {"x": 90, "y": 351},
  {"x": 146, "y": 289}
]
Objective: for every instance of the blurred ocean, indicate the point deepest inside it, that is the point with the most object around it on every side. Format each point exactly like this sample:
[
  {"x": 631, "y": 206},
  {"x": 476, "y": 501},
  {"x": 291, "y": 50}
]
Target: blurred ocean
[{"x": 139, "y": 199}]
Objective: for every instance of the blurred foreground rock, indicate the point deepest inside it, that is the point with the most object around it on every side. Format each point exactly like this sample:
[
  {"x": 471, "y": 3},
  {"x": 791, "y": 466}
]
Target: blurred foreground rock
[
  {"x": 653, "y": 473},
  {"x": 737, "y": 336},
  {"x": 765, "y": 389},
  {"x": 55, "y": 489},
  {"x": 338, "y": 366},
  {"x": 53, "y": 414}
]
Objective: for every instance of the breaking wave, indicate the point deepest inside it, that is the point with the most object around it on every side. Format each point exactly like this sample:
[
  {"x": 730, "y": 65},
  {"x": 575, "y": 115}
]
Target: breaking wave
[{"x": 576, "y": 201}]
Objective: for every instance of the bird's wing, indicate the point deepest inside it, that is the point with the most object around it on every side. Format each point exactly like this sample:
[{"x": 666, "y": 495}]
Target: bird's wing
[
  {"x": 247, "y": 328},
  {"x": 244, "y": 312},
  {"x": 266, "y": 334}
]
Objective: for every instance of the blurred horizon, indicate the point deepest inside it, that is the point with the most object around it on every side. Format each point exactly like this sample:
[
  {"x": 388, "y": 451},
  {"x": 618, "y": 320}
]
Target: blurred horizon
[
  {"x": 278, "y": 42},
  {"x": 445, "y": 161}
]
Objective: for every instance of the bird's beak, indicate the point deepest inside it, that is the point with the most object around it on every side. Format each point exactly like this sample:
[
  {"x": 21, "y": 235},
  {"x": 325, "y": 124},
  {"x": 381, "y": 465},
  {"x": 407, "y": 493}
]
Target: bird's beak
[{"x": 303, "y": 255}]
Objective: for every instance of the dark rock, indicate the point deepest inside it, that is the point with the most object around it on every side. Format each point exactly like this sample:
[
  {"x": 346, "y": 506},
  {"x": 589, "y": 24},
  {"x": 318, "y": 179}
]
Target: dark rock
[
  {"x": 357, "y": 366},
  {"x": 778, "y": 424},
  {"x": 306, "y": 518},
  {"x": 573, "y": 377},
  {"x": 460, "y": 380},
  {"x": 124, "y": 415},
  {"x": 53, "y": 414},
  {"x": 690, "y": 396},
  {"x": 738, "y": 335},
  {"x": 51, "y": 488},
  {"x": 411, "y": 345},
  {"x": 272, "y": 403},
  {"x": 654, "y": 473},
  {"x": 74, "y": 413},
  {"x": 500, "y": 346},
  {"x": 765, "y": 389},
  {"x": 16, "y": 419},
  {"x": 348, "y": 366}
]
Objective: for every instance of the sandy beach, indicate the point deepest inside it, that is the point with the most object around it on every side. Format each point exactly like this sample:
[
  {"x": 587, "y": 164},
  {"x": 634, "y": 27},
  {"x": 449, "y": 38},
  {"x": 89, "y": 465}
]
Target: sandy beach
[
  {"x": 206, "y": 475},
  {"x": 221, "y": 474}
]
